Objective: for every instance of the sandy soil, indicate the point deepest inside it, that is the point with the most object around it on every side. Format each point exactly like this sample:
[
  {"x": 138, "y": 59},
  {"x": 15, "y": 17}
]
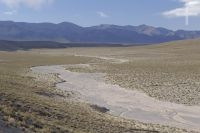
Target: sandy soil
[
  {"x": 91, "y": 88},
  {"x": 111, "y": 59}
]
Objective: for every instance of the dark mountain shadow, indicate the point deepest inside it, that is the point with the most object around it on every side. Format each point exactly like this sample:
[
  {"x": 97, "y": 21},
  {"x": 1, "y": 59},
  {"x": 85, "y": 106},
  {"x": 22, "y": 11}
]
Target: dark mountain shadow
[{"x": 28, "y": 45}]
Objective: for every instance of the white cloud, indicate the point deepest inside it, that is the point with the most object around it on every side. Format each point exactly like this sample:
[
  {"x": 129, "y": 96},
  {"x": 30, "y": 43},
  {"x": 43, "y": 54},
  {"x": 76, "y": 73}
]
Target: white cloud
[
  {"x": 190, "y": 8},
  {"x": 102, "y": 14},
  {"x": 29, "y": 3},
  {"x": 10, "y": 12}
]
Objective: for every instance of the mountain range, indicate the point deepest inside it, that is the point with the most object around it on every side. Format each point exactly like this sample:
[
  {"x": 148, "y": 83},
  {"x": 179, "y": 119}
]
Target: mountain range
[{"x": 71, "y": 33}]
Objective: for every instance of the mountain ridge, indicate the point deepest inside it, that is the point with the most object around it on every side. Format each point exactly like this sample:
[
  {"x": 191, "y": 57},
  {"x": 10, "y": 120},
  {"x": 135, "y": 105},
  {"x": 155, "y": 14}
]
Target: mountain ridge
[{"x": 67, "y": 32}]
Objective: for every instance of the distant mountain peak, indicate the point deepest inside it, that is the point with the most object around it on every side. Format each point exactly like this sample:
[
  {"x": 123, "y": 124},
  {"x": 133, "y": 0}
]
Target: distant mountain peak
[
  {"x": 103, "y": 26},
  {"x": 67, "y": 23},
  {"x": 145, "y": 26},
  {"x": 104, "y": 33}
]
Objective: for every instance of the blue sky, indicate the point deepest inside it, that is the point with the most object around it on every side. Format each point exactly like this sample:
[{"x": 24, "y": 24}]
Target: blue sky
[{"x": 159, "y": 13}]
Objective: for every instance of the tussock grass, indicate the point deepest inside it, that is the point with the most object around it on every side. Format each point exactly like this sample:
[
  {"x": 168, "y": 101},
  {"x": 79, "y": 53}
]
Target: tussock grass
[
  {"x": 168, "y": 72},
  {"x": 31, "y": 105}
]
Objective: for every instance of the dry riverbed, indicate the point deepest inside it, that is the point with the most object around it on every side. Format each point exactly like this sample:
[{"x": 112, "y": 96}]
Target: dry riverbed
[{"x": 131, "y": 104}]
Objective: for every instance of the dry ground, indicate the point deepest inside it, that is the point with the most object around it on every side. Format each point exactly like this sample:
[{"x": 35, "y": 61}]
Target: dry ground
[
  {"x": 169, "y": 72},
  {"x": 36, "y": 106}
]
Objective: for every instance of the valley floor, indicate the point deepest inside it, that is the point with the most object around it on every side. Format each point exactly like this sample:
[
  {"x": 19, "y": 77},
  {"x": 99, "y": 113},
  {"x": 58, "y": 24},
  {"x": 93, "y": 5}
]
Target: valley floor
[
  {"x": 169, "y": 73},
  {"x": 129, "y": 104}
]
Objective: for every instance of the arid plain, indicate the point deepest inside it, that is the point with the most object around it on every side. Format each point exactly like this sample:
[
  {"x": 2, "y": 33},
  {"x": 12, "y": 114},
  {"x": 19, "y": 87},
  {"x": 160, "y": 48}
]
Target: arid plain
[{"x": 167, "y": 73}]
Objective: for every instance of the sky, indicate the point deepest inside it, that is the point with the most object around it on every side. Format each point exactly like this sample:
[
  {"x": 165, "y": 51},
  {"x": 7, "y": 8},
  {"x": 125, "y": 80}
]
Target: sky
[{"x": 172, "y": 14}]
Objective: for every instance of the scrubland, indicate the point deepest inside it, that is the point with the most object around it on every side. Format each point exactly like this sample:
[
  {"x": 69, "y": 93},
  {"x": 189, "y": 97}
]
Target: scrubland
[{"x": 169, "y": 72}]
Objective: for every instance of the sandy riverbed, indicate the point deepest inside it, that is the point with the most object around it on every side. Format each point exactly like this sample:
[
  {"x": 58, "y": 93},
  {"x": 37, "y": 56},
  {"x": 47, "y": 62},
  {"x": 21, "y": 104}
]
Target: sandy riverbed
[{"x": 91, "y": 88}]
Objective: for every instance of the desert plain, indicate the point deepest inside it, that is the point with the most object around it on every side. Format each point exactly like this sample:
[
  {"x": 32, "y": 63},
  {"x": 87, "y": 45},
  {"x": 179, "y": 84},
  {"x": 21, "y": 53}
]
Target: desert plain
[{"x": 153, "y": 88}]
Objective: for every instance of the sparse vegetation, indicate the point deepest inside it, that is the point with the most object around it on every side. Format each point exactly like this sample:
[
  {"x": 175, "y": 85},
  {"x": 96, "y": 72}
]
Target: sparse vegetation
[
  {"x": 168, "y": 72},
  {"x": 31, "y": 106}
]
